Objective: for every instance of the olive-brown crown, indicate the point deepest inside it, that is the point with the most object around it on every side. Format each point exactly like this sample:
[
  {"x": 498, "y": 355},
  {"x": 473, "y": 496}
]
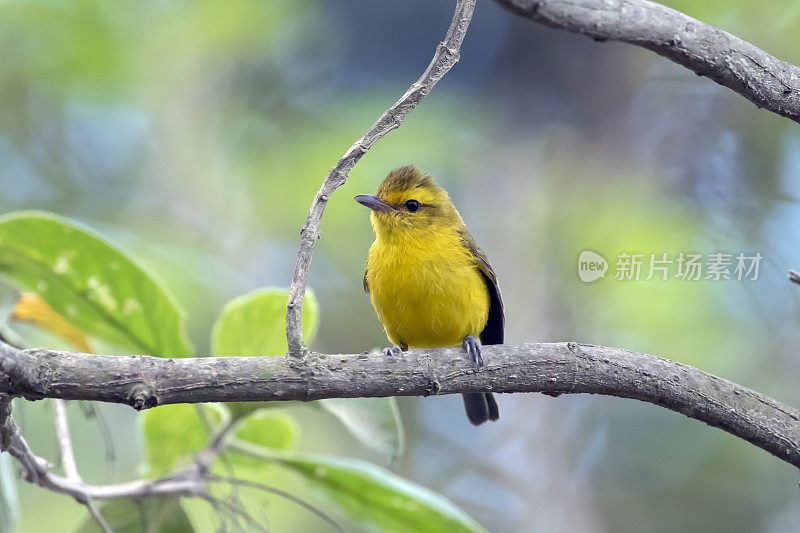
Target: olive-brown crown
[
  {"x": 417, "y": 200},
  {"x": 405, "y": 178}
]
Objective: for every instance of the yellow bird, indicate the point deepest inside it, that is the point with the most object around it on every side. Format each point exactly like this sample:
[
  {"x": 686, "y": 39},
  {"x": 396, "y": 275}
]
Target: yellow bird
[{"x": 430, "y": 284}]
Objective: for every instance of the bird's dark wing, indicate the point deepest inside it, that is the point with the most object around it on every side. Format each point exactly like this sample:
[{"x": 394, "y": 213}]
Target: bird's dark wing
[
  {"x": 481, "y": 406},
  {"x": 366, "y": 285},
  {"x": 493, "y": 330}
]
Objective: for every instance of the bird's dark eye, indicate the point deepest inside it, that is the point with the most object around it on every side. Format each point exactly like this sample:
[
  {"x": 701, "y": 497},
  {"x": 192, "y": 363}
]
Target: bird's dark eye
[{"x": 412, "y": 205}]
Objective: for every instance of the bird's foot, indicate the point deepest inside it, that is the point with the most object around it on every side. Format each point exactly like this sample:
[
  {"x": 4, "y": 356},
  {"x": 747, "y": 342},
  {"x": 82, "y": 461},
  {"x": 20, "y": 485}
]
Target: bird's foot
[
  {"x": 473, "y": 349},
  {"x": 394, "y": 351}
]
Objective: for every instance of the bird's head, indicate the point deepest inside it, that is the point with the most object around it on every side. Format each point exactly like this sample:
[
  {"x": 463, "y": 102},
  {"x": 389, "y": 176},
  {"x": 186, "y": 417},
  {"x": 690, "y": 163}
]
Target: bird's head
[{"x": 409, "y": 201}]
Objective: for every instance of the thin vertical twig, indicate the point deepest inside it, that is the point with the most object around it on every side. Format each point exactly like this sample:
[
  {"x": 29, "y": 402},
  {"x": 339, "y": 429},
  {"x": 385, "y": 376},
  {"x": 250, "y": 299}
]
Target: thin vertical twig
[
  {"x": 64, "y": 441},
  {"x": 68, "y": 460},
  {"x": 447, "y": 54},
  {"x": 95, "y": 512}
]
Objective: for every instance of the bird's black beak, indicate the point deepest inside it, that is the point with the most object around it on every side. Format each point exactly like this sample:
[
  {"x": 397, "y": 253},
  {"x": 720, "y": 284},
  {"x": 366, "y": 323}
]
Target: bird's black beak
[{"x": 374, "y": 203}]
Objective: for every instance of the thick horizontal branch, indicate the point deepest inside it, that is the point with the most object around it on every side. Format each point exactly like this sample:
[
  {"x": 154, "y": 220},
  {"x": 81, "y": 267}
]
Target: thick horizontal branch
[
  {"x": 143, "y": 381},
  {"x": 763, "y": 79}
]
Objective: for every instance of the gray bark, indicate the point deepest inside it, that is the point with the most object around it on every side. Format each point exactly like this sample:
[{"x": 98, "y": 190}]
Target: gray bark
[
  {"x": 763, "y": 79},
  {"x": 143, "y": 381}
]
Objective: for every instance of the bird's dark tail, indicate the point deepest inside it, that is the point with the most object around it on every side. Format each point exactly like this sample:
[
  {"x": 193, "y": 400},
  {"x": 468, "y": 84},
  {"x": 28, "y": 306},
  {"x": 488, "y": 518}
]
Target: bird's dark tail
[{"x": 480, "y": 406}]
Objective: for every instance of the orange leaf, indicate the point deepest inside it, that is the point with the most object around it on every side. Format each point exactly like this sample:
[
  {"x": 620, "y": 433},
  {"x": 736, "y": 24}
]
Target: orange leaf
[{"x": 33, "y": 310}]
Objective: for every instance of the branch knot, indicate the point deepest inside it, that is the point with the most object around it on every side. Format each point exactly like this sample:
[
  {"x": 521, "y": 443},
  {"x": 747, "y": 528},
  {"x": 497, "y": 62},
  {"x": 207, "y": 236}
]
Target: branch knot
[{"x": 142, "y": 397}]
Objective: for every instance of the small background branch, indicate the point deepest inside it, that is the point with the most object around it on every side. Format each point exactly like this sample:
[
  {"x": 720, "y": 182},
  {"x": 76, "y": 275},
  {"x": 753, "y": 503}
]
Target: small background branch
[
  {"x": 763, "y": 79},
  {"x": 65, "y": 441}
]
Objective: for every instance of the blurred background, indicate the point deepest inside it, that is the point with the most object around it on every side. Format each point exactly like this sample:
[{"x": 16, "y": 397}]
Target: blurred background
[{"x": 194, "y": 134}]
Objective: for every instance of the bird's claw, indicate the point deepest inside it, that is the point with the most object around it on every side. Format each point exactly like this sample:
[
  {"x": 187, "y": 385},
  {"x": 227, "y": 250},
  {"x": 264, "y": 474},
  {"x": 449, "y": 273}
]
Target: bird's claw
[
  {"x": 394, "y": 351},
  {"x": 473, "y": 349}
]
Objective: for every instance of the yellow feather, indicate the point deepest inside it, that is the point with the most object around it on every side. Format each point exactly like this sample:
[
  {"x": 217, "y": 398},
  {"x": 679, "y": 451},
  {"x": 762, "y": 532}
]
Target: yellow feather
[
  {"x": 423, "y": 279},
  {"x": 426, "y": 289}
]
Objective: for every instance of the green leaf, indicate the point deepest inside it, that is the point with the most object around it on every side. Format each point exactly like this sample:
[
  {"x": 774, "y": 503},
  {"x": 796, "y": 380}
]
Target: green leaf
[
  {"x": 375, "y": 422},
  {"x": 9, "y": 501},
  {"x": 173, "y": 433},
  {"x": 91, "y": 283},
  {"x": 272, "y": 428},
  {"x": 371, "y": 494},
  {"x": 255, "y": 323},
  {"x": 149, "y": 515}
]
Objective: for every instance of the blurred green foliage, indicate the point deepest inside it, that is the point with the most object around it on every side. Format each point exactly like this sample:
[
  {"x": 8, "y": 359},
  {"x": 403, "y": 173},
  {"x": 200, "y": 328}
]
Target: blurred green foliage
[
  {"x": 42, "y": 252},
  {"x": 93, "y": 285},
  {"x": 254, "y": 324},
  {"x": 195, "y": 133},
  {"x": 173, "y": 434},
  {"x": 154, "y": 515},
  {"x": 378, "y": 497}
]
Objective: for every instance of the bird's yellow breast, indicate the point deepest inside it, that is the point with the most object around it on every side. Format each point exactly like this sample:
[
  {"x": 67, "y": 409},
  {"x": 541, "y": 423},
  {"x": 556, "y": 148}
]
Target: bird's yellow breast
[{"x": 426, "y": 288}]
